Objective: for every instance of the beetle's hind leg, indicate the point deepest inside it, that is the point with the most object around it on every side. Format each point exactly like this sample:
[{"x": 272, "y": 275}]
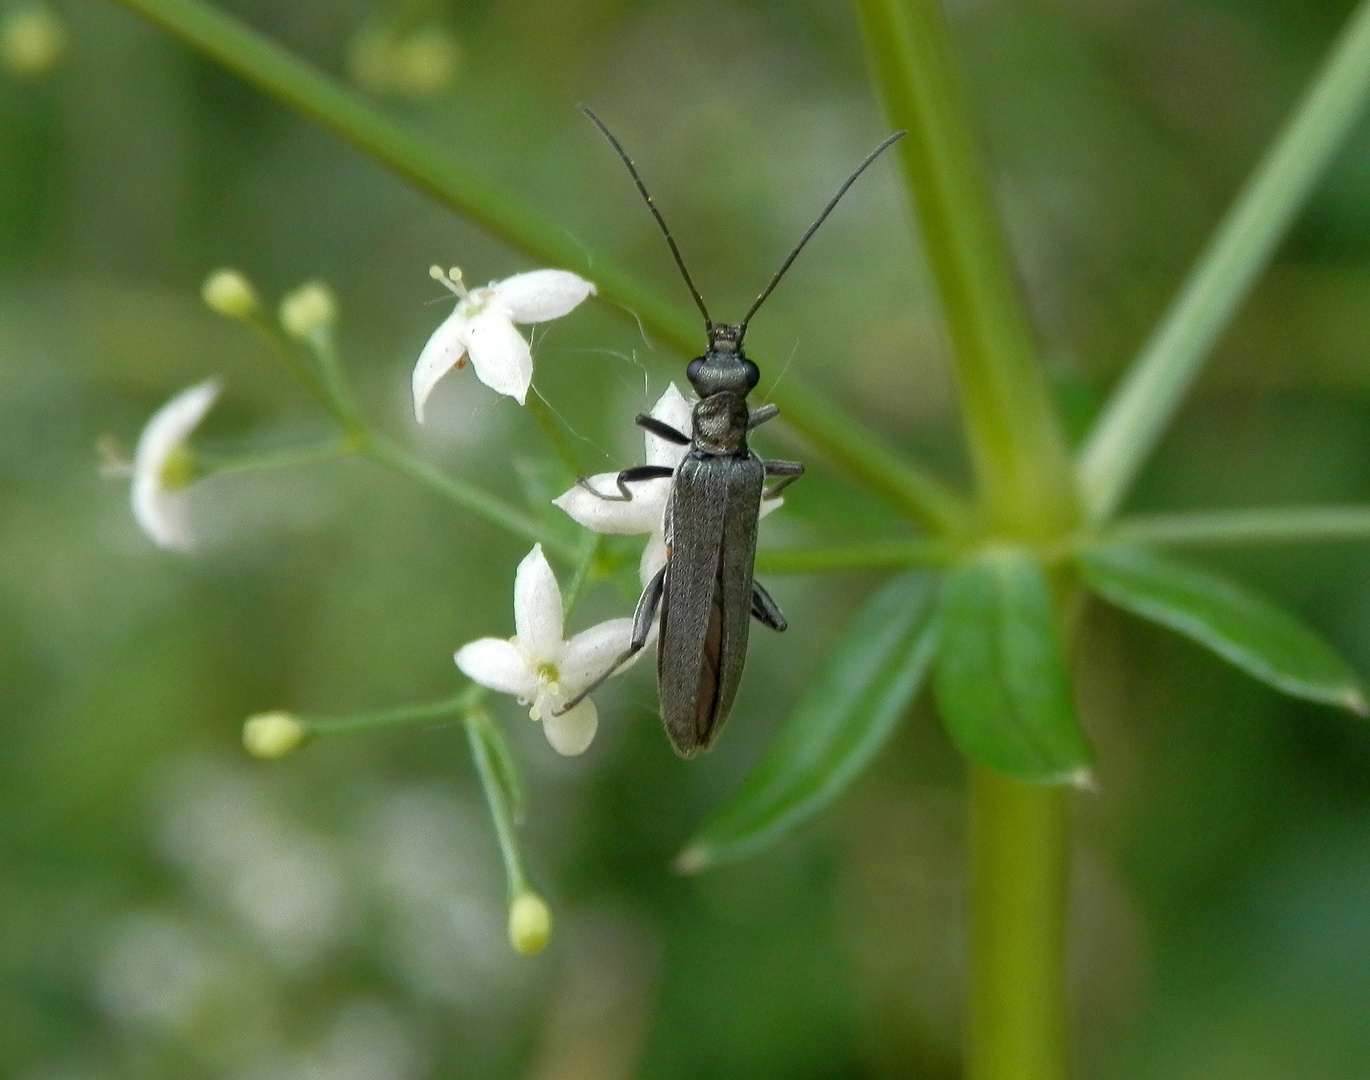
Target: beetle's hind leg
[
  {"x": 787, "y": 472},
  {"x": 765, "y": 610},
  {"x": 626, "y": 477},
  {"x": 643, "y": 618}
]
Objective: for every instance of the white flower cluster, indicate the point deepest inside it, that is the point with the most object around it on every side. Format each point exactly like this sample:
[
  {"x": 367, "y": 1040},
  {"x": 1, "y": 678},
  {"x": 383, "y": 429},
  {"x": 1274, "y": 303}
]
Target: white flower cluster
[{"x": 537, "y": 665}]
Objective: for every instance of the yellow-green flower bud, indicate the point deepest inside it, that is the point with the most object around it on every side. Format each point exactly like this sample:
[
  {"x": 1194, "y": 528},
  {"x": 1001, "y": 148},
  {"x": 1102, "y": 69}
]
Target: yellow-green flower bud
[
  {"x": 530, "y": 923},
  {"x": 230, "y": 293},
  {"x": 308, "y": 309},
  {"x": 272, "y": 735},
  {"x": 32, "y": 41}
]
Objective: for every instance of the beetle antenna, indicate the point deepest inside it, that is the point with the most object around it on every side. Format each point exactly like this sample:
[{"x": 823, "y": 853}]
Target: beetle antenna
[
  {"x": 642, "y": 188},
  {"x": 775, "y": 280}
]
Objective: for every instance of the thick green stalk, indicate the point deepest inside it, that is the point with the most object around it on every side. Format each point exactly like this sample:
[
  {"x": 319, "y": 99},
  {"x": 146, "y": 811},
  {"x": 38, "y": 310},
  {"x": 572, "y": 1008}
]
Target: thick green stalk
[
  {"x": 1222, "y": 528},
  {"x": 1020, "y": 859},
  {"x": 1015, "y": 438},
  {"x": 1150, "y": 394},
  {"x": 431, "y": 169}
]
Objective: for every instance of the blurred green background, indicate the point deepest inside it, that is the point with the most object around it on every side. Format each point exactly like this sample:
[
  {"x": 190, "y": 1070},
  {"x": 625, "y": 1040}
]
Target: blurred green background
[{"x": 170, "y": 908}]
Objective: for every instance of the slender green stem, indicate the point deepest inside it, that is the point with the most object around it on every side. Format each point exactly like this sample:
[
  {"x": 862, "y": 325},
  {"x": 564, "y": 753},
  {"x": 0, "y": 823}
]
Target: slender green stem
[
  {"x": 388, "y": 718},
  {"x": 1020, "y": 859},
  {"x": 1221, "y": 528},
  {"x": 344, "y": 405},
  {"x": 288, "y": 354},
  {"x": 877, "y": 555},
  {"x": 1150, "y": 394},
  {"x": 479, "y": 732},
  {"x": 432, "y": 169},
  {"x": 923, "y": 496},
  {"x": 1015, "y": 438},
  {"x": 554, "y": 430},
  {"x": 590, "y": 548},
  {"x": 466, "y": 495},
  {"x": 207, "y": 465}
]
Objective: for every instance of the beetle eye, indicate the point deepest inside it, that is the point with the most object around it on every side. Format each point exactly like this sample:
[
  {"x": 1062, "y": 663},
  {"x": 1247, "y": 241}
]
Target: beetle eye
[
  {"x": 692, "y": 371},
  {"x": 753, "y": 374}
]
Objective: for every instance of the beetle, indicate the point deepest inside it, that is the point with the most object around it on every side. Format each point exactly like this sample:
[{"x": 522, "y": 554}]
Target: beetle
[{"x": 706, "y": 593}]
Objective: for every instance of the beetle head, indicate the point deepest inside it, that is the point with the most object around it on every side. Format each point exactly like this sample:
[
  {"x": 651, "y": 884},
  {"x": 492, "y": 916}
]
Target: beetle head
[{"x": 723, "y": 368}]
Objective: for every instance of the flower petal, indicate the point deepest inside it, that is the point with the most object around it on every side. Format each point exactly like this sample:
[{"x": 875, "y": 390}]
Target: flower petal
[
  {"x": 161, "y": 513},
  {"x": 653, "y": 558},
  {"x": 572, "y": 732},
  {"x": 499, "y": 354},
  {"x": 498, "y": 664},
  {"x": 439, "y": 356},
  {"x": 675, "y": 409},
  {"x": 540, "y": 295},
  {"x": 640, "y": 514},
  {"x": 537, "y": 608},
  {"x": 592, "y": 652}
]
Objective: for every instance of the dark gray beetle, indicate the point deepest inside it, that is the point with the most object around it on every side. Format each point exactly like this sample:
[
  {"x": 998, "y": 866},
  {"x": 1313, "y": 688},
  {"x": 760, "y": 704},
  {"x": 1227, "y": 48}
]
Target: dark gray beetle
[{"x": 705, "y": 593}]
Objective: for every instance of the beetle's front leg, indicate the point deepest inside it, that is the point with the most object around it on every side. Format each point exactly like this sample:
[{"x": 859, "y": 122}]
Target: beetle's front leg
[
  {"x": 787, "y": 471},
  {"x": 626, "y": 477}
]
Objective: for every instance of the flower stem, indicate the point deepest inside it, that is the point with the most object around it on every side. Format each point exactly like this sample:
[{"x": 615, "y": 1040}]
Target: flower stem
[
  {"x": 1016, "y": 441},
  {"x": 878, "y": 555},
  {"x": 207, "y": 465},
  {"x": 466, "y": 495},
  {"x": 1020, "y": 840},
  {"x": 289, "y": 355},
  {"x": 1264, "y": 525},
  {"x": 432, "y": 169},
  {"x": 408, "y": 714},
  {"x": 339, "y": 392},
  {"x": 1150, "y": 394},
  {"x": 553, "y": 429},
  {"x": 495, "y": 782}
]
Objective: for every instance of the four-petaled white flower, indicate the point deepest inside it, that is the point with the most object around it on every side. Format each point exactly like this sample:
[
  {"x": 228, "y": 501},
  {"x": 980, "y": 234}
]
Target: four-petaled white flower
[
  {"x": 645, "y": 512},
  {"x": 482, "y": 328},
  {"x": 538, "y": 667},
  {"x": 162, "y": 468}
]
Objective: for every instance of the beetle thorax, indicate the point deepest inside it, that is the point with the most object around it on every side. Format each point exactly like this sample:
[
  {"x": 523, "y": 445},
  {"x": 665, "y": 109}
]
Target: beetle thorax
[{"x": 720, "y": 423}]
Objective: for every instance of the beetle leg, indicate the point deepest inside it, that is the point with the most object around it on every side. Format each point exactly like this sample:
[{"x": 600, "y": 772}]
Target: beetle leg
[
  {"x": 761, "y": 414},
  {"x": 787, "y": 471},
  {"x": 765, "y": 610},
  {"x": 643, "y": 617},
  {"x": 626, "y": 477},
  {"x": 661, "y": 429}
]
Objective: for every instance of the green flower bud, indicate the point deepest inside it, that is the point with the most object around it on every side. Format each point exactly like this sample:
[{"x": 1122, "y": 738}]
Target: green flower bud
[
  {"x": 230, "y": 293},
  {"x": 308, "y": 310},
  {"x": 32, "y": 41},
  {"x": 530, "y": 923},
  {"x": 273, "y": 734}
]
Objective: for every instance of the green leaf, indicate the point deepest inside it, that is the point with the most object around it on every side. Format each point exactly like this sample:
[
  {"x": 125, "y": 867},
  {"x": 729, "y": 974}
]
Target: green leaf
[
  {"x": 1244, "y": 629},
  {"x": 839, "y": 725},
  {"x": 1001, "y": 679}
]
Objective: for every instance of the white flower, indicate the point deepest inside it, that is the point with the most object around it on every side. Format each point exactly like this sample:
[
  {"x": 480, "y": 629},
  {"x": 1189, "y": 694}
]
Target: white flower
[
  {"x": 162, "y": 466},
  {"x": 482, "y": 327},
  {"x": 538, "y": 667},
  {"x": 645, "y": 512}
]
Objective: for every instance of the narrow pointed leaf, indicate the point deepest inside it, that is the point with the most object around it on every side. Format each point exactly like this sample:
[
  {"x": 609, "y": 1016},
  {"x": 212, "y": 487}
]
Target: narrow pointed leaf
[
  {"x": 844, "y": 718},
  {"x": 1001, "y": 679},
  {"x": 1243, "y": 628}
]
